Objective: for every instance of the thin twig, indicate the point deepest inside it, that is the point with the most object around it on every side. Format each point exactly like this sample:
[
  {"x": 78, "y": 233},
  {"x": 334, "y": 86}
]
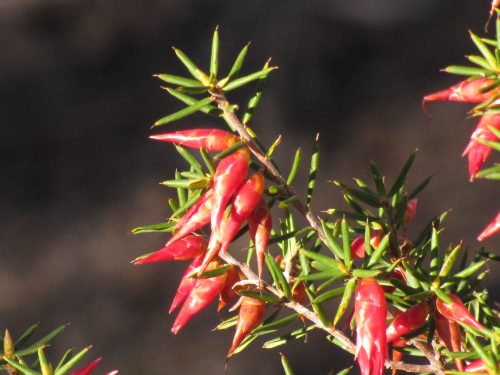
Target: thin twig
[{"x": 229, "y": 115}]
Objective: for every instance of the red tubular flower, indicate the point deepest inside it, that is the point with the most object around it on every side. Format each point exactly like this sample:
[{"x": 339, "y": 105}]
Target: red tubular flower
[
  {"x": 246, "y": 199},
  {"x": 197, "y": 217},
  {"x": 210, "y": 139},
  {"x": 90, "y": 367},
  {"x": 186, "y": 248},
  {"x": 370, "y": 311},
  {"x": 457, "y": 312},
  {"x": 358, "y": 244},
  {"x": 449, "y": 333},
  {"x": 465, "y": 91},
  {"x": 229, "y": 175},
  {"x": 250, "y": 316},
  {"x": 407, "y": 321},
  {"x": 260, "y": 225},
  {"x": 476, "y": 152},
  {"x": 477, "y": 367},
  {"x": 203, "y": 292},
  {"x": 227, "y": 293},
  {"x": 186, "y": 285},
  {"x": 492, "y": 228},
  {"x": 206, "y": 196}
]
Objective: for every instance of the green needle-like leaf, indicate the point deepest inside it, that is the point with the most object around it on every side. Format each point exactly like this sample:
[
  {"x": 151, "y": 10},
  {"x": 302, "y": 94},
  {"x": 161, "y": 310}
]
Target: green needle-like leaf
[
  {"x": 26, "y": 335},
  {"x": 42, "y": 342},
  {"x": 256, "y": 97},
  {"x": 64, "y": 358},
  {"x": 191, "y": 67},
  {"x": 214, "y": 56},
  {"x": 295, "y": 166},
  {"x": 238, "y": 63},
  {"x": 420, "y": 187},
  {"x": 481, "y": 61},
  {"x": 208, "y": 160},
  {"x": 313, "y": 170},
  {"x": 434, "y": 266},
  {"x": 25, "y": 370},
  {"x": 346, "y": 243},
  {"x": 247, "y": 79},
  {"x": 450, "y": 261},
  {"x": 64, "y": 369},
  {"x": 230, "y": 150},
  {"x": 378, "y": 179},
  {"x": 189, "y": 100},
  {"x": 466, "y": 70},
  {"x": 332, "y": 244},
  {"x": 400, "y": 180},
  {"x": 183, "y": 112},
  {"x": 337, "y": 292},
  {"x": 485, "y": 51},
  {"x": 380, "y": 250},
  {"x": 344, "y": 302},
  {"x": 286, "y": 365},
  {"x": 180, "y": 81}
]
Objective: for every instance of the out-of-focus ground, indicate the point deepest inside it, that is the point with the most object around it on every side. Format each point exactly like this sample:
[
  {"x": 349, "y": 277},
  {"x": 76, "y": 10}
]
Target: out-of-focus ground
[{"x": 77, "y": 98}]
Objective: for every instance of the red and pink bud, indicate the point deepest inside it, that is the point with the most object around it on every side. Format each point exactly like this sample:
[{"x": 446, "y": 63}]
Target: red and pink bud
[
  {"x": 465, "y": 91},
  {"x": 186, "y": 248},
  {"x": 250, "y": 316},
  {"x": 202, "y": 294},
  {"x": 245, "y": 201},
  {"x": 260, "y": 225},
  {"x": 448, "y": 332},
  {"x": 457, "y": 312},
  {"x": 476, "y": 152},
  {"x": 197, "y": 217},
  {"x": 186, "y": 285},
  {"x": 370, "y": 311},
  {"x": 87, "y": 370},
  {"x": 227, "y": 294},
  {"x": 492, "y": 228},
  {"x": 210, "y": 139},
  {"x": 358, "y": 244},
  {"x": 407, "y": 321}
]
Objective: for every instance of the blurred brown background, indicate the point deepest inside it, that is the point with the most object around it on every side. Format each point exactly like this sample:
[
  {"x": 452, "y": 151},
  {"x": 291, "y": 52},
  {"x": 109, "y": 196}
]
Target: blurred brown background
[{"x": 77, "y": 98}]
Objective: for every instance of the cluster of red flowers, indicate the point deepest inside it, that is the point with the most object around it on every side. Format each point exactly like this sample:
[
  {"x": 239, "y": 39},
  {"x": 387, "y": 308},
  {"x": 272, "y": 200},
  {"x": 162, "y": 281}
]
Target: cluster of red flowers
[
  {"x": 373, "y": 336},
  {"x": 476, "y": 91},
  {"x": 231, "y": 199}
]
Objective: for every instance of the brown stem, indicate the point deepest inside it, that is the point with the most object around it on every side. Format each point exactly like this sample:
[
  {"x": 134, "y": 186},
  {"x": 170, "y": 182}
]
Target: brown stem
[{"x": 229, "y": 115}]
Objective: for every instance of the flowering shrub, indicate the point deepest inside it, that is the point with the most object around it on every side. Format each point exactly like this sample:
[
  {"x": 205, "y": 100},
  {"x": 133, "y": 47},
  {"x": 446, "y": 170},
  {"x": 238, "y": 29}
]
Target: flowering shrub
[{"x": 397, "y": 298}]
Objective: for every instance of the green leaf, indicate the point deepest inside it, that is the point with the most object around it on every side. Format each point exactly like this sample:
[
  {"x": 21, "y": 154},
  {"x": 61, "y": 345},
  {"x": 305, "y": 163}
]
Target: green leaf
[
  {"x": 42, "y": 359},
  {"x": 183, "y": 112},
  {"x": 230, "y": 150},
  {"x": 238, "y": 63},
  {"x": 25, "y": 370},
  {"x": 365, "y": 273},
  {"x": 214, "y": 56},
  {"x": 344, "y": 302},
  {"x": 493, "y": 145},
  {"x": 401, "y": 179},
  {"x": 260, "y": 295},
  {"x": 286, "y": 365},
  {"x": 189, "y": 100},
  {"x": 346, "y": 243},
  {"x": 378, "y": 179},
  {"x": 26, "y": 335},
  {"x": 186, "y": 155},
  {"x": 295, "y": 166},
  {"x": 434, "y": 265},
  {"x": 268, "y": 327},
  {"x": 331, "y": 243},
  {"x": 442, "y": 295},
  {"x": 473, "y": 268},
  {"x": 278, "y": 276},
  {"x": 420, "y": 187},
  {"x": 449, "y": 261},
  {"x": 481, "y": 61},
  {"x": 64, "y": 358},
  {"x": 363, "y": 196},
  {"x": 282, "y": 340},
  {"x": 345, "y": 371},
  {"x": 194, "y": 184},
  {"x": 379, "y": 251},
  {"x": 335, "y": 275},
  {"x": 207, "y": 159},
  {"x": 180, "y": 81},
  {"x": 337, "y": 292},
  {"x": 330, "y": 263},
  {"x": 154, "y": 228},
  {"x": 313, "y": 170},
  {"x": 42, "y": 342},
  {"x": 255, "y": 99},
  {"x": 485, "y": 51},
  {"x": 72, "y": 362},
  {"x": 247, "y": 79},
  {"x": 228, "y": 323},
  {"x": 221, "y": 270},
  {"x": 484, "y": 254},
  {"x": 466, "y": 70},
  {"x": 191, "y": 67}
]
